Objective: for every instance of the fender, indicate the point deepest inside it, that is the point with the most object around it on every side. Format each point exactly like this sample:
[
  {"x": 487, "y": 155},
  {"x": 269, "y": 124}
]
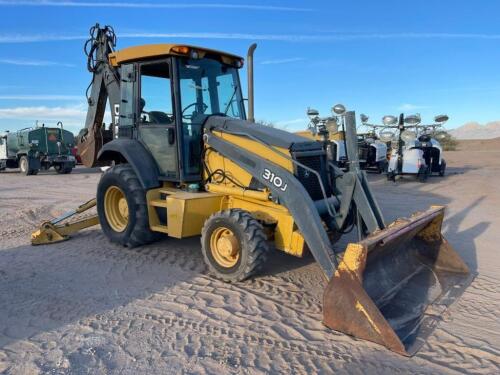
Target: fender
[{"x": 133, "y": 152}]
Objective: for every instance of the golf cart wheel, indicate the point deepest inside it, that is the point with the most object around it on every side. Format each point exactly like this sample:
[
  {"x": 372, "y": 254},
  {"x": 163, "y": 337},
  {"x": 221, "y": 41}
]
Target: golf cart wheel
[
  {"x": 442, "y": 168},
  {"x": 122, "y": 207},
  {"x": 24, "y": 166},
  {"x": 234, "y": 245},
  {"x": 381, "y": 167},
  {"x": 423, "y": 173},
  {"x": 391, "y": 176}
]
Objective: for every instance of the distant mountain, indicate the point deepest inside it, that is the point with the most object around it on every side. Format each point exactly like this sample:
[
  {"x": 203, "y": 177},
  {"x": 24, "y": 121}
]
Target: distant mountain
[{"x": 474, "y": 130}]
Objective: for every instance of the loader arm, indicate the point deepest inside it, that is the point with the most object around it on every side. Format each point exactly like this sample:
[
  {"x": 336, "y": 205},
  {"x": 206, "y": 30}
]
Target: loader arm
[{"x": 105, "y": 85}]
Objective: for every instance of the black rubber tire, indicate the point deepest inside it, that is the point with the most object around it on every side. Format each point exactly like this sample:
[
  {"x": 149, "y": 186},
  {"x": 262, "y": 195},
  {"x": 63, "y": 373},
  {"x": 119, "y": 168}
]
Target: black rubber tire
[
  {"x": 137, "y": 231},
  {"x": 381, "y": 167},
  {"x": 442, "y": 169},
  {"x": 391, "y": 176},
  {"x": 423, "y": 174},
  {"x": 62, "y": 170},
  {"x": 254, "y": 247},
  {"x": 24, "y": 166}
]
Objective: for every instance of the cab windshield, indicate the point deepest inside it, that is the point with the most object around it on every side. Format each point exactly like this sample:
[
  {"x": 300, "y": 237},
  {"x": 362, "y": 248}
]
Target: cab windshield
[{"x": 207, "y": 87}]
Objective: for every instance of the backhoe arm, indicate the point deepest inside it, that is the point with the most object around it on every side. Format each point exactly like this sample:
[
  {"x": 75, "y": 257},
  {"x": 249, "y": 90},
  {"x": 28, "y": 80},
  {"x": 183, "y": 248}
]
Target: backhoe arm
[{"x": 105, "y": 85}]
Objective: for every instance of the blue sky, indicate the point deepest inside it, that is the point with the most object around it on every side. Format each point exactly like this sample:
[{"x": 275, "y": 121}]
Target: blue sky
[{"x": 376, "y": 57}]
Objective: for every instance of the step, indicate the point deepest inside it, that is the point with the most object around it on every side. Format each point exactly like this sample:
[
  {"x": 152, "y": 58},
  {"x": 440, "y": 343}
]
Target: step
[
  {"x": 159, "y": 228},
  {"x": 158, "y": 203}
]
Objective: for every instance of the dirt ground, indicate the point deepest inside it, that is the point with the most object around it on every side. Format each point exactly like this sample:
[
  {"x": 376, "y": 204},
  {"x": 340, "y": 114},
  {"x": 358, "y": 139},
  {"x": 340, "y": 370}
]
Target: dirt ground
[{"x": 86, "y": 306}]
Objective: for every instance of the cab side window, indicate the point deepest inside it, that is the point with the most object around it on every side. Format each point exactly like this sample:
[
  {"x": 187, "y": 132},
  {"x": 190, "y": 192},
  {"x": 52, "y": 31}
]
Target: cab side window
[{"x": 155, "y": 106}]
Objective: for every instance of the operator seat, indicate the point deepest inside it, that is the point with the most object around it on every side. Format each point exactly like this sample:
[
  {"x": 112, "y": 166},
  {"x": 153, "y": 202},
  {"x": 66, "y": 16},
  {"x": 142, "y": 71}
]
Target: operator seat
[{"x": 155, "y": 117}]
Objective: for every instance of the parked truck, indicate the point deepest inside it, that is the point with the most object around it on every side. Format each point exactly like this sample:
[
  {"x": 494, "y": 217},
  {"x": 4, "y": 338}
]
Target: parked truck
[{"x": 33, "y": 149}]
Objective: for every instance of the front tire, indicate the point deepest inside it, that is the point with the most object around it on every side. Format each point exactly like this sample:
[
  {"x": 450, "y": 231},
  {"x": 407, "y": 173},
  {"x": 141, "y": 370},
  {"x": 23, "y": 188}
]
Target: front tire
[
  {"x": 234, "y": 245},
  {"x": 122, "y": 208},
  {"x": 25, "y": 167},
  {"x": 381, "y": 167}
]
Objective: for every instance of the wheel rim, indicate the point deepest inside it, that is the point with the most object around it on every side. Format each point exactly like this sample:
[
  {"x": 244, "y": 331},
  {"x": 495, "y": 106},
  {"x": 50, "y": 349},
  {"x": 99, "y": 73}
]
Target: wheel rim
[
  {"x": 225, "y": 247},
  {"x": 116, "y": 208},
  {"x": 24, "y": 166}
]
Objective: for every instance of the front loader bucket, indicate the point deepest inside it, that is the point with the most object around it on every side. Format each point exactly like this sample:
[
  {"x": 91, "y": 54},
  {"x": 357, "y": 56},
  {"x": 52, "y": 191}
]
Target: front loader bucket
[{"x": 392, "y": 287}]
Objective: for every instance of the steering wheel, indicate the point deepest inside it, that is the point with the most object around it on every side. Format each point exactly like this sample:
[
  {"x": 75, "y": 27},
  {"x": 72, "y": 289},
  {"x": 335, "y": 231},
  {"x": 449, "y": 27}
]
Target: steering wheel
[{"x": 204, "y": 107}]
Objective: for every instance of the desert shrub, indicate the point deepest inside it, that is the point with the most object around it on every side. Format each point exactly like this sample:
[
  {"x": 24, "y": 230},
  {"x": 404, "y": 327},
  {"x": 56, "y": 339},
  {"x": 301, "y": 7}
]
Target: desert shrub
[{"x": 448, "y": 142}]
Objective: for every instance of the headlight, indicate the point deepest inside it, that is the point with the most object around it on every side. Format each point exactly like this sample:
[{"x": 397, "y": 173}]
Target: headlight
[{"x": 71, "y": 158}]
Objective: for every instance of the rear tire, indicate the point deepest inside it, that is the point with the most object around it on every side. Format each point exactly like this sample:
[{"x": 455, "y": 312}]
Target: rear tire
[
  {"x": 423, "y": 173},
  {"x": 61, "y": 169},
  {"x": 381, "y": 167},
  {"x": 122, "y": 208},
  {"x": 234, "y": 245},
  {"x": 391, "y": 176},
  {"x": 442, "y": 168}
]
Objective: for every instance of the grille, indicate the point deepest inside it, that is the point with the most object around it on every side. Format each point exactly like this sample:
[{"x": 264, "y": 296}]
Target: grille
[{"x": 308, "y": 179}]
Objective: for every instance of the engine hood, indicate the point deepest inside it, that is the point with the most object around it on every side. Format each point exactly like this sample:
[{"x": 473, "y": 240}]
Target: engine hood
[{"x": 271, "y": 136}]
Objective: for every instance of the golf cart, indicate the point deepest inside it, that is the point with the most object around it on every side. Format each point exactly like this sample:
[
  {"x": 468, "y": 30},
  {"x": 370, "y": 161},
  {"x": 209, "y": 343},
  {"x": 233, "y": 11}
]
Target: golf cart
[
  {"x": 415, "y": 152},
  {"x": 373, "y": 150}
]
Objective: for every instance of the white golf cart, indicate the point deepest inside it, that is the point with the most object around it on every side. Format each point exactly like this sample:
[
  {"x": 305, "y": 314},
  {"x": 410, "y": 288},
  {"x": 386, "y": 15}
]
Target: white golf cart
[{"x": 416, "y": 152}]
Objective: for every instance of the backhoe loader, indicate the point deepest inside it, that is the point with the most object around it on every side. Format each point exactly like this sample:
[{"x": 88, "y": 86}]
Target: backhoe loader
[{"x": 185, "y": 161}]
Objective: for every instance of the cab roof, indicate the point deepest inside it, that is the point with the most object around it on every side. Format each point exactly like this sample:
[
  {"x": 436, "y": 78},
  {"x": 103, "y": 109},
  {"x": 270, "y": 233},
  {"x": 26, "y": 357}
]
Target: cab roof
[{"x": 149, "y": 51}]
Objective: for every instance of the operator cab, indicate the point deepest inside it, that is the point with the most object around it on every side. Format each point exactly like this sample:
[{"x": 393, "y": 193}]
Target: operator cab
[{"x": 167, "y": 93}]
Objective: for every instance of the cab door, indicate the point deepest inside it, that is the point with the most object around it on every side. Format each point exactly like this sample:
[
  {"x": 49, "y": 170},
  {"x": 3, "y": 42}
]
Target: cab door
[{"x": 155, "y": 116}]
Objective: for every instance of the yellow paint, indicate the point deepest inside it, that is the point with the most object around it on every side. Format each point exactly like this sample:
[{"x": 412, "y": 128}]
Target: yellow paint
[
  {"x": 363, "y": 311},
  {"x": 116, "y": 208},
  {"x": 186, "y": 212},
  {"x": 285, "y": 234},
  {"x": 149, "y": 51},
  {"x": 237, "y": 191},
  {"x": 273, "y": 154},
  {"x": 50, "y": 233},
  {"x": 354, "y": 259},
  {"x": 338, "y": 136},
  {"x": 225, "y": 247}
]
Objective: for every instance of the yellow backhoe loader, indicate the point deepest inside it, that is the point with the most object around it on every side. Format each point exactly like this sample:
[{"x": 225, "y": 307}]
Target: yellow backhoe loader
[{"x": 185, "y": 161}]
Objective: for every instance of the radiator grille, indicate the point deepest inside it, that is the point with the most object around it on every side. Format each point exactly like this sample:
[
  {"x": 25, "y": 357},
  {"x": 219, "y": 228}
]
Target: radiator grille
[{"x": 309, "y": 179}]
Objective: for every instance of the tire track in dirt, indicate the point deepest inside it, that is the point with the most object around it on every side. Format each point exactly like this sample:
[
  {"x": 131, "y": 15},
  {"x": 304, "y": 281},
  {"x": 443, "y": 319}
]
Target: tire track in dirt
[{"x": 209, "y": 336}]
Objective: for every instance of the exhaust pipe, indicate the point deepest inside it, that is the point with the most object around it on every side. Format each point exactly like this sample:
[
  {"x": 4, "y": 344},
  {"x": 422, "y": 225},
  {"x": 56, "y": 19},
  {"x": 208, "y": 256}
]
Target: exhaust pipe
[{"x": 251, "y": 50}]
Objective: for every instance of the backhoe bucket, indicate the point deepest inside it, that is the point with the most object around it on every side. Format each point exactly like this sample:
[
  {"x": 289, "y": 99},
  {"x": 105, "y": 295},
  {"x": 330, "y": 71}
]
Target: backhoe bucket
[{"x": 392, "y": 287}]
